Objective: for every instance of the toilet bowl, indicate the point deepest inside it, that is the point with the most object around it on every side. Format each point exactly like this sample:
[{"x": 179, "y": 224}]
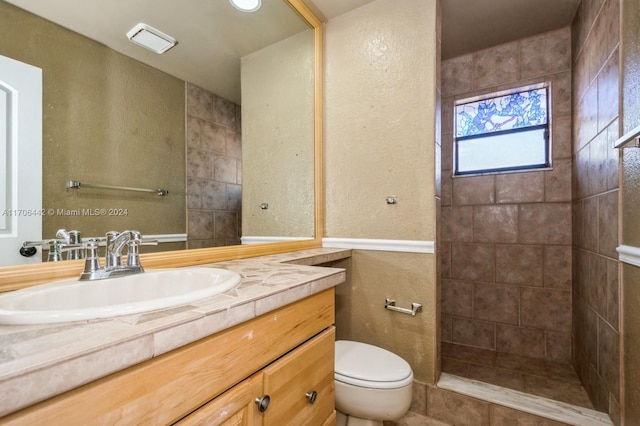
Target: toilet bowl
[{"x": 371, "y": 384}]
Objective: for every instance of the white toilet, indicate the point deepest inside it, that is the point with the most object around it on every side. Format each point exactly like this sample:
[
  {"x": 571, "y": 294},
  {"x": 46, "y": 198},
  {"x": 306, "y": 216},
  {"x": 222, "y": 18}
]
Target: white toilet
[{"x": 372, "y": 384}]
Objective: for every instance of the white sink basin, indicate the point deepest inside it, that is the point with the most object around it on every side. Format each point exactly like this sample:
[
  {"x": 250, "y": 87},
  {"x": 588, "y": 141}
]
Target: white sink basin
[{"x": 73, "y": 300}]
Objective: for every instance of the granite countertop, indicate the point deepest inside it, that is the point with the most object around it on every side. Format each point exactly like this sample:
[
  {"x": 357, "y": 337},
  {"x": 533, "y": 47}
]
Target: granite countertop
[{"x": 41, "y": 361}]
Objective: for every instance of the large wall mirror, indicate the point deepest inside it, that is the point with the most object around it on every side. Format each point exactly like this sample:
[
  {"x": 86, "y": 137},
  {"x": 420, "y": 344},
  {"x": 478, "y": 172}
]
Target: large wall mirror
[{"x": 227, "y": 122}]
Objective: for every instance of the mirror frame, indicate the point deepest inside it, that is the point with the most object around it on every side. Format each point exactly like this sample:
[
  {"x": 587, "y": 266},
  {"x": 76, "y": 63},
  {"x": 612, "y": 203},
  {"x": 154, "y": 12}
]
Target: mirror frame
[{"x": 20, "y": 276}]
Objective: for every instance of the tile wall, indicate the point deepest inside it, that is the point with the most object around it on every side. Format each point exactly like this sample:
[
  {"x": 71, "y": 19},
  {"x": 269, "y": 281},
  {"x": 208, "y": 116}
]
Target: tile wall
[
  {"x": 506, "y": 238},
  {"x": 214, "y": 170},
  {"x": 596, "y": 293}
]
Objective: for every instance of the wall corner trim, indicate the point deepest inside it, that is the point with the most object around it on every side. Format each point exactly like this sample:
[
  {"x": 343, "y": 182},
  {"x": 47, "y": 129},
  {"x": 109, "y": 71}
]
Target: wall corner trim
[
  {"x": 410, "y": 246},
  {"x": 629, "y": 254}
]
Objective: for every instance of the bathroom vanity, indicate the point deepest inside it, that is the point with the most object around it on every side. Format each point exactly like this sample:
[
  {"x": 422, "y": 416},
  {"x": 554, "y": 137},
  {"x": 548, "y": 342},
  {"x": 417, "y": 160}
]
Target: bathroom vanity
[{"x": 260, "y": 354}]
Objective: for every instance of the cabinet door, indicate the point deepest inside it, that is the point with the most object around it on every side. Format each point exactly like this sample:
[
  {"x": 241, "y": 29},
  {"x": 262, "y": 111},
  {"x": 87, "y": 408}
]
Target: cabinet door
[
  {"x": 235, "y": 407},
  {"x": 301, "y": 384}
]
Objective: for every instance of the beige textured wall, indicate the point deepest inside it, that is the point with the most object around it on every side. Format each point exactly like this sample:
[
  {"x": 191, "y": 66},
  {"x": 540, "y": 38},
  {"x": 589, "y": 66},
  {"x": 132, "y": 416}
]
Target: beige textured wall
[
  {"x": 380, "y": 97},
  {"x": 107, "y": 119},
  {"x": 630, "y": 213},
  {"x": 277, "y": 139},
  {"x": 596, "y": 292}
]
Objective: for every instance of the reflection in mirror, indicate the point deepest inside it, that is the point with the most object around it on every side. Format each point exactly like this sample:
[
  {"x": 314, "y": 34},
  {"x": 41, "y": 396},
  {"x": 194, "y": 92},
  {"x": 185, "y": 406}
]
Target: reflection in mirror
[{"x": 124, "y": 116}]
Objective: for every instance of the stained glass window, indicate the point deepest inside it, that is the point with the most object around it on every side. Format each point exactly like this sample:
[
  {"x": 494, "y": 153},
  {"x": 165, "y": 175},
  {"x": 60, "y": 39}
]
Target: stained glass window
[{"x": 504, "y": 132}]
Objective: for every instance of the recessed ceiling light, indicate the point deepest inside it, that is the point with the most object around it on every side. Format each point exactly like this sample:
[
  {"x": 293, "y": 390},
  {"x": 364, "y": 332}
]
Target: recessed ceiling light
[
  {"x": 151, "y": 38},
  {"x": 246, "y": 5}
]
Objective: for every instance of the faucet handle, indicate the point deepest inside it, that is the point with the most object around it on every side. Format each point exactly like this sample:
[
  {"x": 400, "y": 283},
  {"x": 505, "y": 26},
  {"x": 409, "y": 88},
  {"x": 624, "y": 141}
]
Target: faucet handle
[
  {"x": 53, "y": 246},
  {"x": 92, "y": 259}
]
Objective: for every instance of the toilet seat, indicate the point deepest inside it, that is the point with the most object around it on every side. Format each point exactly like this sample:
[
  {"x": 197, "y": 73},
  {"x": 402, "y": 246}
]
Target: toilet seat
[{"x": 360, "y": 364}]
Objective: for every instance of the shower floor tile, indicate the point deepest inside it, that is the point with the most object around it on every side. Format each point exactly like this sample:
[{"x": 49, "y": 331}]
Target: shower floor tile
[{"x": 536, "y": 376}]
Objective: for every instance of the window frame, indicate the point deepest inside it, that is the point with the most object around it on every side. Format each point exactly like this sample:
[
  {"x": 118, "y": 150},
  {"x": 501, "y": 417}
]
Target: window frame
[{"x": 546, "y": 165}]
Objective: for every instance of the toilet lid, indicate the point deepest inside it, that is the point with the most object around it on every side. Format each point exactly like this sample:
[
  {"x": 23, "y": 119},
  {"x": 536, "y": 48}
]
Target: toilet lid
[{"x": 365, "y": 365}]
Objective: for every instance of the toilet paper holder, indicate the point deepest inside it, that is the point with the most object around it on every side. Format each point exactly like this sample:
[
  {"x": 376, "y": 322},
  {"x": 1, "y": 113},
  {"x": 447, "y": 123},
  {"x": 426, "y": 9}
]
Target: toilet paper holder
[{"x": 391, "y": 305}]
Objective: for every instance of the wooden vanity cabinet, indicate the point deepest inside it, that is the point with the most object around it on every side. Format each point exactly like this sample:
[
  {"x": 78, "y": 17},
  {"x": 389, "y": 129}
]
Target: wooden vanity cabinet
[
  {"x": 300, "y": 388},
  {"x": 286, "y": 353}
]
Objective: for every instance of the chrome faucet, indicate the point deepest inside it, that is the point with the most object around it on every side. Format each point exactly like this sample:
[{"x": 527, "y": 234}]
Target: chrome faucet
[
  {"x": 115, "y": 242},
  {"x": 65, "y": 241}
]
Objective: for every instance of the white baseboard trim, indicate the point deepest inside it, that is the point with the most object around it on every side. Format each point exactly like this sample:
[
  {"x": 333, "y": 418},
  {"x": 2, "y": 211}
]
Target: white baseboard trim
[
  {"x": 629, "y": 254},
  {"x": 409, "y": 246}
]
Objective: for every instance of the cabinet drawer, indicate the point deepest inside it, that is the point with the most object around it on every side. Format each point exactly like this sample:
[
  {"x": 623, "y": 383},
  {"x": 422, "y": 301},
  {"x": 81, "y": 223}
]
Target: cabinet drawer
[
  {"x": 233, "y": 408},
  {"x": 292, "y": 380}
]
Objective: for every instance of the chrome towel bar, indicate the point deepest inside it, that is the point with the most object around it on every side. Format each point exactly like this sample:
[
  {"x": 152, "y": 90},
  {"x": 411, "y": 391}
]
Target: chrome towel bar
[
  {"x": 74, "y": 184},
  {"x": 391, "y": 305}
]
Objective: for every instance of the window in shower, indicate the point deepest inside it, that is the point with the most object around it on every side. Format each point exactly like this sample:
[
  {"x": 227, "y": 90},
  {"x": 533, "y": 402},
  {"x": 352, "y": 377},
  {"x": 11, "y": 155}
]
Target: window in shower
[{"x": 504, "y": 131}]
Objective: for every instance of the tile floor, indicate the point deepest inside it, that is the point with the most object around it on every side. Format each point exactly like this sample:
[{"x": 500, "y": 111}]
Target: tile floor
[{"x": 535, "y": 376}]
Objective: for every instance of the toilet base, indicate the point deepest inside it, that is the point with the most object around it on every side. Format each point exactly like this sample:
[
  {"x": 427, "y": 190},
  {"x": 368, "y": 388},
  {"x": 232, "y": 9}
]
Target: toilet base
[{"x": 344, "y": 420}]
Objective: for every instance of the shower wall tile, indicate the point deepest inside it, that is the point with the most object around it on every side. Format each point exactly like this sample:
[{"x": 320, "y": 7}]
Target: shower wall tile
[
  {"x": 562, "y": 134},
  {"x": 473, "y": 190},
  {"x": 520, "y": 340},
  {"x": 479, "y": 334},
  {"x": 520, "y": 265},
  {"x": 608, "y": 224},
  {"x": 496, "y": 65},
  {"x": 545, "y": 54},
  {"x": 608, "y": 92},
  {"x": 473, "y": 262},
  {"x": 457, "y": 224},
  {"x": 496, "y": 303},
  {"x": 558, "y": 266},
  {"x": 546, "y": 309},
  {"x": 456, "y": 75},
  {"x": 548, "y": 223},
  {"x": 520, "y": 187},
  {"x": 495, "y": 224},
  {"x": 558, "y": 346},
  {"x": 561, "y": 86},
  {"x": 457, "y": 298},
  {"x": 613, "y": 295},
  {"x": 214, "y": 170},
  {"x": 557, "y": 181}
]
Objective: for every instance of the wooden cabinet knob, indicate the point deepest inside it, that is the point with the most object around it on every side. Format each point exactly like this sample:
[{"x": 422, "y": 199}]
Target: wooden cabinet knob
[
  {"x": 263, "y": 403},
  {"x": 312, "y": 396}
]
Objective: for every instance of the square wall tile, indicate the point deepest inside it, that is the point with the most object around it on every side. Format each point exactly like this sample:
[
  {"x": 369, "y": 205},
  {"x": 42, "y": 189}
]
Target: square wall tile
[
  {"x": 475, "y": 333},
  {"x": 495, "y": 224},
  {"x": 473, "y": 262},
  {"x": 457, "y": 224},
  {"x": 473, "y": 190},
  {"x": 457, "y": 298},
  {"x": 520, "y": 341},
  {"x": 520, "y": 187},
  {"x": 547, "y": 53},
  {"x": 456, "y": 75},
  {"x": 519, "y": 265},
  {"x": 558, "y": 346},
  {"x": 496, "y": 302},
  {"x": 547, "y": 309},
  {"x": 496, "y": 65},
  {"x": 548, "y": 223}
]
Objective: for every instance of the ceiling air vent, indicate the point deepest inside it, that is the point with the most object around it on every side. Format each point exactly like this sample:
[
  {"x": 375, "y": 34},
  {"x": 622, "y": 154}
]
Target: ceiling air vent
[{"x": 151, "y": 38}]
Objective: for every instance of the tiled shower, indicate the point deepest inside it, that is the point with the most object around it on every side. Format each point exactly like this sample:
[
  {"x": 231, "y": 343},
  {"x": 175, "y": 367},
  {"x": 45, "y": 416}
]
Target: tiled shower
[
  {"x": 214, "y": 170},
  {"x": 529, "y": 268}
]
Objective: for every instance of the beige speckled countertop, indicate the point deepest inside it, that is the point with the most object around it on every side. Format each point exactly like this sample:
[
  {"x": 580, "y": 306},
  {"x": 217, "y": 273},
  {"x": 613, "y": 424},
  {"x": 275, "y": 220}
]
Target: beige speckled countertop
[{"x": 41, "y": 361}]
